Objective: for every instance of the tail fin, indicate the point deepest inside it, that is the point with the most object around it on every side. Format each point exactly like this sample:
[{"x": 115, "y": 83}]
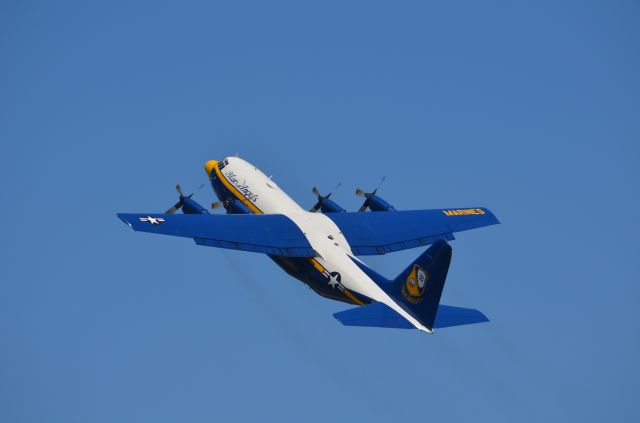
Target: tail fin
[
  {"x": 419, "y": 287},
  {"x": 417, "y": 290}
]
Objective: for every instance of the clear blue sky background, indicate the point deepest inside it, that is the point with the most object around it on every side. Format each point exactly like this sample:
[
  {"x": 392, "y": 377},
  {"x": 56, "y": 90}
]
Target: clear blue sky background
[{"x": 528, "y": 108}]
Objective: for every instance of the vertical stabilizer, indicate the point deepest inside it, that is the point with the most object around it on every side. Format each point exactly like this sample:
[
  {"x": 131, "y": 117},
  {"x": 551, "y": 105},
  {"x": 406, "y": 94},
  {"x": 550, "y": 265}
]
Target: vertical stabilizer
[
  {"x": 417, "y": 290},
  {"x": 419, "y": 287}
]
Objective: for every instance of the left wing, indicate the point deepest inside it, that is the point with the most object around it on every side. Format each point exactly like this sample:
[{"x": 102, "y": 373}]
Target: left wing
[
  {"x": 374, "y": 233},
  {"x": 269, "y": 234}
]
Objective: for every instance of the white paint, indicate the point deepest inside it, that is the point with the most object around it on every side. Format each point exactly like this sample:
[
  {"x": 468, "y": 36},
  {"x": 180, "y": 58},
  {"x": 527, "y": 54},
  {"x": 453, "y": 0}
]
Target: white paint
[{"x": 334, "y": 252}]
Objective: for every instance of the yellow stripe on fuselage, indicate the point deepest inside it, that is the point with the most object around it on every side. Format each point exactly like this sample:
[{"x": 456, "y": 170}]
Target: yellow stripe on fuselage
[
  {"x": 351, "y": 297},
  {"x": 237, "y": 193},
  {"x": 345, "y": 291},
  {"x": 317, "y": 265}
]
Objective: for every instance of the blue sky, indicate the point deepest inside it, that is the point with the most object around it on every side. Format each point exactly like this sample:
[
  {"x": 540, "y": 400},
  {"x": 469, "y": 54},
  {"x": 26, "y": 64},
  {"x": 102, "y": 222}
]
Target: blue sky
[{"x": 528, "y": 108}]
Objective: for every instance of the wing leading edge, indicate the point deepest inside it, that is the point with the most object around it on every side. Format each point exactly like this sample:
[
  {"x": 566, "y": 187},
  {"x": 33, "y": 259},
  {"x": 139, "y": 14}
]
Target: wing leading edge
[
  {"x": 382, "y": 233},
  {"x": 269, "y": 234}
]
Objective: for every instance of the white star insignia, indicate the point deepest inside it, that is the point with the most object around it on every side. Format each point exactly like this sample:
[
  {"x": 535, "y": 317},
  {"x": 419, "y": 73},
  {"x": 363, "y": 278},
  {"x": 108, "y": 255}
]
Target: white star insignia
[
  {"x": 152, "y": 220},
  {"x": 334, "y": 280}
]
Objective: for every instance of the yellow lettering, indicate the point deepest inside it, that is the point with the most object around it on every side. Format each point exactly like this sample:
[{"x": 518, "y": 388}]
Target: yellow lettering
[{"x": 462, "y": 212}]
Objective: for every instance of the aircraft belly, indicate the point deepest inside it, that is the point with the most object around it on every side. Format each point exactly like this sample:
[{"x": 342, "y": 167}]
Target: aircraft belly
[
  {"x": 308, "y": 271},
  {"x": 351, "y": 277}
]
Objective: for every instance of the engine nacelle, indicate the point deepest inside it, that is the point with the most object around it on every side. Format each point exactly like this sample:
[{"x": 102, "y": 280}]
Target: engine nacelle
[
  {"x": 190, "y": 206},
  {"x": 324, "y": 204},
  {"x": 330, "y": 206},
  {"x": 376, "y": 204},
  {"x": 372, "y": 201},
  {"x": 187, "y": 205}
]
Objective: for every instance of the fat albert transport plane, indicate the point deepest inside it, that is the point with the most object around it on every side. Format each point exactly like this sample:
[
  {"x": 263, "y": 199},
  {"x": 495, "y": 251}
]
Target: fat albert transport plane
[{"x": 323, "y": 250}]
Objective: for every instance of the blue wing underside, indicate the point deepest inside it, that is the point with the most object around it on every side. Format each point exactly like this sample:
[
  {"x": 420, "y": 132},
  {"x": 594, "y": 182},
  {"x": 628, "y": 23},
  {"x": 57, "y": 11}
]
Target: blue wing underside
[{"x": 366, "y": 233}]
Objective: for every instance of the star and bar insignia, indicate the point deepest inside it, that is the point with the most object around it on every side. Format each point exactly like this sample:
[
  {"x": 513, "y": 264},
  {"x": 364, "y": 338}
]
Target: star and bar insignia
[{"x": 152, "y": 220}]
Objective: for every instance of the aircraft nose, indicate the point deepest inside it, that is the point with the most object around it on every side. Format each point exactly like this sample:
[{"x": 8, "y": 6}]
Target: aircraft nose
[{"x": 209, "y": 166}]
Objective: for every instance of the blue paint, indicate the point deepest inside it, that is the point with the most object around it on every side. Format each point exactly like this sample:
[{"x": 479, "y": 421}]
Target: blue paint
[
  {"x": 530, "y": 108},
  {"x": 381, "y": 233}
]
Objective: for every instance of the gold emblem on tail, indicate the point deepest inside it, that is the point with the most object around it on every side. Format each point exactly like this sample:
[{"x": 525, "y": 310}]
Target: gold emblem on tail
[{"x": 415, "y": 284}]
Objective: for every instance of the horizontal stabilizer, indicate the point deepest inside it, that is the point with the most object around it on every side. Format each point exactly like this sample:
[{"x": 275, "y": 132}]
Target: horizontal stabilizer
[
  {"x": 382, "y": 316},
  {"x": 377, "y": 315},
  {"x": 458, "y": 316}
]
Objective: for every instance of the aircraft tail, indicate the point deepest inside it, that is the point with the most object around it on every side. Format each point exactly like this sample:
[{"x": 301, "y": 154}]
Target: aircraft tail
[
  {"x": 417, "y": 290},
  {"x": 419, "y": 287}
]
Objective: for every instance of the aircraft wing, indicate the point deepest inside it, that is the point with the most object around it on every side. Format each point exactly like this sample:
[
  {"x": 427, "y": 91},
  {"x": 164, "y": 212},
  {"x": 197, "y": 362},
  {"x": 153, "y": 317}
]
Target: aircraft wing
[
  {"x": 374, "y": 233},
  {"x": 269, "y": 234}
]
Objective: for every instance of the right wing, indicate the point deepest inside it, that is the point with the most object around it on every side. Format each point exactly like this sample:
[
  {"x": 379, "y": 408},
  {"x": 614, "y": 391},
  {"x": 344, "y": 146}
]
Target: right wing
[
  {"x": 374, "y": 233},
  {"x": 269, "y": 234}
]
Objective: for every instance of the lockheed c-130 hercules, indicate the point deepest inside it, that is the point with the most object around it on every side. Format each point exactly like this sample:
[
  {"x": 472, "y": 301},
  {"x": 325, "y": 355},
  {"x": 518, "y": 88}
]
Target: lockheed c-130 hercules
[{"x": 323, "y": 249}]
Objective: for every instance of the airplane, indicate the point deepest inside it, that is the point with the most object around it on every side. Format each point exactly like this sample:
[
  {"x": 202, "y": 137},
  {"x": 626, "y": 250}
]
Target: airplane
[{"x": 323, "y": 250}]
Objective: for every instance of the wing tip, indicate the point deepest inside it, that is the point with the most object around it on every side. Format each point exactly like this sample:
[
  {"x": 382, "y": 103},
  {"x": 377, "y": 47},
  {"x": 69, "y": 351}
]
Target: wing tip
[
  {"x": 493, "y": 217},
  {"x": 123, "y": 217}
]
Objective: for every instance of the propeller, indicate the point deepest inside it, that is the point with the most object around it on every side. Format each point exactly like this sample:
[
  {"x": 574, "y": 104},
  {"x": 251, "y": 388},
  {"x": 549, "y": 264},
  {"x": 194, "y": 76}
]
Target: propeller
[
  {"x": 321, "y": 198},
  {"x": 177, "y": 206},
  {"x": 368, "y": 195}
]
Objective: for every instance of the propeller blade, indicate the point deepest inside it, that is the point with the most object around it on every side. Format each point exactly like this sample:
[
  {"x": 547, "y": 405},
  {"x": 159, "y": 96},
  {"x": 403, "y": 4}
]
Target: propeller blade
[
  {"x": 216, "y": 205},
  {"x": 175, "y": 208},
  {"x": 315, "y": 191},
  {"x": 360, "y": 193},
  {"x": 364, "y": 206},
  {"x": 380, "y": 183},
  {"x": 190, "y": 195},
  {"x": 337, "y": 186},
  {"x": 179, "y": 189},
  {"x": 316, "y": 207}
]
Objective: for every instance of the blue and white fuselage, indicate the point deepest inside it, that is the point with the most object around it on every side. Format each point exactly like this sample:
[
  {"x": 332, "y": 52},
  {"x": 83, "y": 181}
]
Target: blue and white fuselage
[{"x": 333, "y": 272}]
